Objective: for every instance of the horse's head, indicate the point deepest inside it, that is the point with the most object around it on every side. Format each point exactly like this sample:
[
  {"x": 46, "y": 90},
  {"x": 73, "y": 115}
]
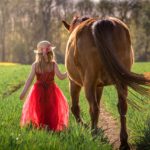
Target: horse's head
[{"x": 74, "y": 23}]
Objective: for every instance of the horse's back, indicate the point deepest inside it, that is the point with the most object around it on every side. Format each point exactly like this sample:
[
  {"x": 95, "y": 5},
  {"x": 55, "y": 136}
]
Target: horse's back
[{"x": 83, "y": 54}]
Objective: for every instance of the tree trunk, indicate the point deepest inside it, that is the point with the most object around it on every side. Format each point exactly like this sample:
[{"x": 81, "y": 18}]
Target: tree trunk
[
  {"x": 3, "y": 35},
  {"x": 46, "y": 14},
  {"x": 146, "y": 49}
]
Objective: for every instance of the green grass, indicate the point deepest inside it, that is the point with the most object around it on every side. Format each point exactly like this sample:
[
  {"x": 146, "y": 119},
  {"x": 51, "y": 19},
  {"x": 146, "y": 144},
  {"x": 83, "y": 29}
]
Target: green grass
[
  {"x": 143, "y": 142},
  {"x": 13, "y": 137},
  {"x": 10, "y": 78},
  {"x": 75, "y": 137},
  {"x": 137, "y": 121}
]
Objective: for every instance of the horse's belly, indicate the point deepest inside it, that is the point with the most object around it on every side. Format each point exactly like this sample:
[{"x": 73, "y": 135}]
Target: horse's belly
[
  {"x": 104, "y": 80},
  {"x": 73, "y": 72}
]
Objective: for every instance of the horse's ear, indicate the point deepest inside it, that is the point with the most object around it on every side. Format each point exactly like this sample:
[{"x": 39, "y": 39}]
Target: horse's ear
[
  {"x": 67, "y": 26},
  {"x": 75, "y": 17}
]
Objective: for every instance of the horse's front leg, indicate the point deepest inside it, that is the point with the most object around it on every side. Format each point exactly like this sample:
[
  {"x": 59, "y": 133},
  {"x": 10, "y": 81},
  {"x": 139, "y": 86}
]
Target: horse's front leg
[
  {"x": 122, "y": 108},
  {"x": 91, "y": 95},
  {"x": 75, "y": 91}
]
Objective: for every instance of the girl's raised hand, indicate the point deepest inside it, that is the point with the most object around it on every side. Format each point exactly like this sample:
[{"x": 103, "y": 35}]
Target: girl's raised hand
[{"x": 22, "y": 96}]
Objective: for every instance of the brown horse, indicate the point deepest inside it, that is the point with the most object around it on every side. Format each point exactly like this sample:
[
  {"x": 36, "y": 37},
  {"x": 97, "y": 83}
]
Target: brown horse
[{"x": 99, "y": 53}]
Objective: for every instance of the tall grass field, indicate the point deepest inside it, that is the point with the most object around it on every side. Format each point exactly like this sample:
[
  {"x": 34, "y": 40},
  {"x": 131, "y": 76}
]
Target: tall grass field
[
  {"x": 12, "y": 137},
  {"x": 76, "y": 137}
]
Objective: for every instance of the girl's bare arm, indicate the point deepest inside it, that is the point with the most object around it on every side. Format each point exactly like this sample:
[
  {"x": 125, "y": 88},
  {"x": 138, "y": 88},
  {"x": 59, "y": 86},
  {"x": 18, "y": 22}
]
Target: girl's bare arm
[
  {"x": 60, "y": 75},
  {"x": 28, "y": 82}
]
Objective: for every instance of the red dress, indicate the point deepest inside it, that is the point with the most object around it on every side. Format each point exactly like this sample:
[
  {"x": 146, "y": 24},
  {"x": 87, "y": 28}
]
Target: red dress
[{"x": 45, "y": 106}]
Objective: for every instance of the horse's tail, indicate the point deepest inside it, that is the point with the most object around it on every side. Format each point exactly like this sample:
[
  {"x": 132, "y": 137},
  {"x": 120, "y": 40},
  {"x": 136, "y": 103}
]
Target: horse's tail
[{"x": 119, "y": 75}]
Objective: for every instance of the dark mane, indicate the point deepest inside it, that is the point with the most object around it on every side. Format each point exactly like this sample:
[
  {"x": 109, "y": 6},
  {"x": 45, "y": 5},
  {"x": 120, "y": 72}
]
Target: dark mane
[{"x": 76, "y": 21}]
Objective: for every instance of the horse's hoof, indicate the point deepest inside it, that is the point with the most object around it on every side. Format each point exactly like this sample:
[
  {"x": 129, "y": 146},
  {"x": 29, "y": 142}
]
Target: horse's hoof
[
  {"x": 124, "y": 147},
  {"x": 85, "y": 125},
  {"x": 96, "y": 131}
]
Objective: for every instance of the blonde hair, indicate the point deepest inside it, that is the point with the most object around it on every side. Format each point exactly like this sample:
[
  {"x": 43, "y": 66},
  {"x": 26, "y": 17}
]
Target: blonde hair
[{"x": 43, "y": 62}]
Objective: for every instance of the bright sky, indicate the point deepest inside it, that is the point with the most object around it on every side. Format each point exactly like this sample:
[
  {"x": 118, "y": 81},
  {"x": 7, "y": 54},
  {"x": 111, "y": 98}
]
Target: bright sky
[
  {"x": 91, "y": 0},
  {"x": 95, "y": 0}
]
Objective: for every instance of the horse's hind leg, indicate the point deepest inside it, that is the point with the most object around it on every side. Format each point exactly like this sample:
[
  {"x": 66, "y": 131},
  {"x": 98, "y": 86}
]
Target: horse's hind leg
[
  {"x": 75, "y": 91},
  {"x": 91, "y": 95},
  {"x": 99, "y": 91},
  {"x": 122, "y": 108}
]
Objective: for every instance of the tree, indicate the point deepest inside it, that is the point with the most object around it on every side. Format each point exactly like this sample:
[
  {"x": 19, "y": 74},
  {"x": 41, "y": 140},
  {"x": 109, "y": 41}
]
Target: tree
[
  {"x": 3, "y": 26},
  {"x": 106, "y": 8},
  {"x": 85, "y": 7},
  {"x": 145, "y": 21}
]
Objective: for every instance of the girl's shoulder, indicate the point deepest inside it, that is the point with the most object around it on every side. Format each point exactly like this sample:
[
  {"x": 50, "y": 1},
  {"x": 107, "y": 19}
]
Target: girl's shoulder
[
  {"x": 34, "y": 64},
  {"x": 54, "y": 63}
]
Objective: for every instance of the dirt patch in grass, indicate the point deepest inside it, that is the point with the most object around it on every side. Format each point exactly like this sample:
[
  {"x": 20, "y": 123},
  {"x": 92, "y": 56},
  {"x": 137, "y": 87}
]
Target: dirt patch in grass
[{"x": 111, "y": 128}]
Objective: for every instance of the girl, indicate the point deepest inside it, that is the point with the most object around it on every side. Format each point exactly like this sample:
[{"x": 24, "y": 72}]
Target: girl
[{"x": 45, "y": 106}]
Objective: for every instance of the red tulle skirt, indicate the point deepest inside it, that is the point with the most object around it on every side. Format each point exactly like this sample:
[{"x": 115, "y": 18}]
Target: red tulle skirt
[{"x": 45, "y": 107}]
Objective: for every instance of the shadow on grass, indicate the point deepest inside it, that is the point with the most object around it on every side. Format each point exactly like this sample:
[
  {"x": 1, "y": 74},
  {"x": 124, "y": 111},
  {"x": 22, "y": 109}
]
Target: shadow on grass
[
  {"x": 12, "y": 89},
  {"x": 143, "y": 142}
]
